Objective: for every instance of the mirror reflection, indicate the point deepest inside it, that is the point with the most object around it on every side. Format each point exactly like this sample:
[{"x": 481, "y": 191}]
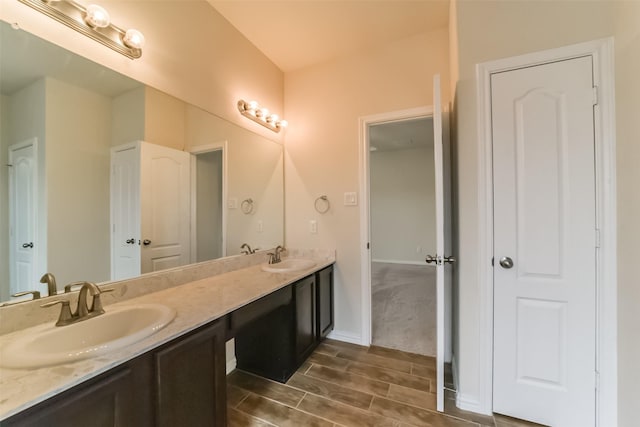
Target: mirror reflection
[{"x": 105, "y": 178}]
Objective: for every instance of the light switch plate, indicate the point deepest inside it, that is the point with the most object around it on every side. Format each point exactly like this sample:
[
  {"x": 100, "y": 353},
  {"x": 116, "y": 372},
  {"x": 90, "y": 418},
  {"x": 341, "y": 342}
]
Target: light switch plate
[
  {"x": 232, "y": 203},
  {"x": 313, "y": 226},
  {"x": 351, "y": 199}
]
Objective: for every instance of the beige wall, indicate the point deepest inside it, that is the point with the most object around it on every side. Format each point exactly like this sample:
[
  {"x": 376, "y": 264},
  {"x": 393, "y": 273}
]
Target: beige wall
[
  {"x": 164, "y": 122},
  {"x": 127, "y": 117},
  {"x": 78, "y": 159},
  {"x": 489, "y": 30},
  {"x": 191, "y": 53},
  {"x": 325, "y": 102},
  {"x": 403, "y": 221}
]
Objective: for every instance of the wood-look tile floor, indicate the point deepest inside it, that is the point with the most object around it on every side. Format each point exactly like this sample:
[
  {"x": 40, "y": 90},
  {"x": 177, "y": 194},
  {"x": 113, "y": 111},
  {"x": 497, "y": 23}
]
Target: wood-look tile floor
[{"x": 343, "y": 384}]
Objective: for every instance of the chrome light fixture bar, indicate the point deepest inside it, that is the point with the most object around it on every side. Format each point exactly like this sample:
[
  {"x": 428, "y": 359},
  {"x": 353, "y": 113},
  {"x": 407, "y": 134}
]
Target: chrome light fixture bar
[
  {"x": 253, "y": 111},
  {"x": 93, "y": 22}
]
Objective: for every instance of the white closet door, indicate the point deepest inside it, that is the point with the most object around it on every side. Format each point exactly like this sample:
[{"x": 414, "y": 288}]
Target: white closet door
[{"x": 544, "y": 243}]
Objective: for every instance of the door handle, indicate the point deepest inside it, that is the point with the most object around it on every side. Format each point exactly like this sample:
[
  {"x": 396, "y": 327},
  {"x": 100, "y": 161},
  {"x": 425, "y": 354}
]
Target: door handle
[
  {"x": 27, "y": 245},
  {"x": 431, "y": 259},
  {"x": 506, "y": 262},
  {"x": 449, "y": 259},
  {"x": 131, "y": 241},
  {"x": 146, "y": 242}
]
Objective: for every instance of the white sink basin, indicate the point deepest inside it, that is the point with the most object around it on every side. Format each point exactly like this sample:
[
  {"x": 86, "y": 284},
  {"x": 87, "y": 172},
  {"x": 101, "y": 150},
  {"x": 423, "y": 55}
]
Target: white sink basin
[
  {"x": 289, "y": 265},
  {"x": 48, "y": 345}
]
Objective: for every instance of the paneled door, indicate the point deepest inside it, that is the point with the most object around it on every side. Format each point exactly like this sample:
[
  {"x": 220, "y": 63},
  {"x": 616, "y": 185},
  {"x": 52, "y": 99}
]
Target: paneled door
[
  {"x": 23, "y": 208},
  {"x": 165, "y": 203},
  {"x": 545, "y": 241},
  {"x": 125, "y": 212}
]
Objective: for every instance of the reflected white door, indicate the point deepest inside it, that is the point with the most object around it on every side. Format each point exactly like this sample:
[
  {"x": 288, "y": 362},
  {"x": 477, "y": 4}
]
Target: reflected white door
[
  {"x": 165, "y": 198},
  {"x": 544, "y": 243},
  {"x": 125, "y": 212},
  {"x": 443, "y": 250},
  {"x": 23, "y": 209}
]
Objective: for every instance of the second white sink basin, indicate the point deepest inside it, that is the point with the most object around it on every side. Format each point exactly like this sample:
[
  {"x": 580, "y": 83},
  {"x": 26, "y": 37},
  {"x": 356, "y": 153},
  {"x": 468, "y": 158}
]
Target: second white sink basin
[
  {"x": 289, "y": 265},
  {"x": 51, "y": 345}
]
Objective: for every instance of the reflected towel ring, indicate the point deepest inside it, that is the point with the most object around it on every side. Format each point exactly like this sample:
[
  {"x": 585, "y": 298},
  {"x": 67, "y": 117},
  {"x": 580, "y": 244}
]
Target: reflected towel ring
[
  {"x": 247, "y": 206},
  {"x": 322, "y": 209}
]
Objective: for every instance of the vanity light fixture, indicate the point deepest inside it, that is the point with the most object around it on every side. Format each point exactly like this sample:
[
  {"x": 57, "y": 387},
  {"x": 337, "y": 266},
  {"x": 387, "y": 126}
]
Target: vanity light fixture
[
  {"x": 253, "y": 111},
  {"x": 93, "y": 21}
]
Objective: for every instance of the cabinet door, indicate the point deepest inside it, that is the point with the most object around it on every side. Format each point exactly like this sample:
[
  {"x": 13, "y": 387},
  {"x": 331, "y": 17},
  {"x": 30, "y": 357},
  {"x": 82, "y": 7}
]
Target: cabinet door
[
  {"x": 305, "y": 294},
  {"x": 324, "y": 284},
  {"x": 117, "y": 398},
  {"x": 190, "y": 379}
]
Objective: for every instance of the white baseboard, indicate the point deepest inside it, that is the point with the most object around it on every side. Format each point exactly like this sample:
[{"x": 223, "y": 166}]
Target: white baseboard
[
  {"x": 347, "y": 337},
  {"x": 471, "y": 404},
  {"x": 231, "y": 365},
  {"x": 397, "y": 261}
]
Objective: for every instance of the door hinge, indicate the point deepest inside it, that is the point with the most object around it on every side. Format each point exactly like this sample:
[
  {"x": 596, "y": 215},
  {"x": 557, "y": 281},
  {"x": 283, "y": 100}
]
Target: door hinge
[
  {"x": 367, "y": 245},
  {"x": 597, "y": 238},
  {"x": 597, "y": 380},
  {"x": 595, "y": 95}
]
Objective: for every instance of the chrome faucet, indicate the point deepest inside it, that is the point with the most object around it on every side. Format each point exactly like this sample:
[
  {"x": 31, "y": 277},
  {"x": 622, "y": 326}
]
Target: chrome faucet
[
  {"x": 50, "y": 280},
  {"x": 247, "y": 249},
  {"x": 83, "y": 311}
]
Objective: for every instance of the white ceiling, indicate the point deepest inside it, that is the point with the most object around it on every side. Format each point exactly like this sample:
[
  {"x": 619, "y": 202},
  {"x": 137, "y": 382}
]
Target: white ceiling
[{"x": 298, "y": 33}]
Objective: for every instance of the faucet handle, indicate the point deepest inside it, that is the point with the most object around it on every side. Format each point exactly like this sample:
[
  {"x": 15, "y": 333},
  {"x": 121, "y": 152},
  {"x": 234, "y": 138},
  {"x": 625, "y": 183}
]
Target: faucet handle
[
  {"x": 65, "y": 316},
  {"x": 272, "y": 258},
  {"x": 69, "y": 288},
  {"x": 96, "y": 305},
  {"x": 36, "y": 294}
]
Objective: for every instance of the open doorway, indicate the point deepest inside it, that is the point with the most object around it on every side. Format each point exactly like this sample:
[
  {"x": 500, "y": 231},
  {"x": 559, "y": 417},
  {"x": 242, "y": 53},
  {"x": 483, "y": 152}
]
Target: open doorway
[
  {"x": 403, "y": 232},
  {"x": 208, "y": 179}
]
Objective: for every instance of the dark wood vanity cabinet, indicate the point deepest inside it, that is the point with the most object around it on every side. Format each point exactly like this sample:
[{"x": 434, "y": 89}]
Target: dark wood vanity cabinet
[
  {"x": 180, "y": 383},
  {"x": 275, "y": 334},
  {"x": 190, "y": 385},
  {"x": 324, "y": 301},
  {"x": 305, "y": 318},
  {"x": 119, "y": 397}
]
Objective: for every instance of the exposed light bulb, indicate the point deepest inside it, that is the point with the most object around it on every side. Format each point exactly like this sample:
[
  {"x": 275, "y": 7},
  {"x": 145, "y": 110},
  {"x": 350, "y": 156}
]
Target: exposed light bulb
[
  {"x": 133, "y": 39},
  {"x": 96, "y": 16},
  {"x": 253, "y": 105},
  {"x": 283, "y": 123},
  {"x": 264, "y": 113},
  {"x": 273, "y": 119}
]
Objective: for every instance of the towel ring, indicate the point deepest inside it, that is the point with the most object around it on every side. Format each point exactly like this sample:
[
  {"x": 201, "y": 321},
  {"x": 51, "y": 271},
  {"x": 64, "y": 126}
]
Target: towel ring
[
  {"x": 247, "y": 206},
  {"x": 323, "y": 201}
]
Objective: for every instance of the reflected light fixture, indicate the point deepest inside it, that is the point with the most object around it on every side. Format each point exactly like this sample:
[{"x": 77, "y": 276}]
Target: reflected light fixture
[
  {"x": 93, "y": 21},
  {"x": 253, "y": 111}
]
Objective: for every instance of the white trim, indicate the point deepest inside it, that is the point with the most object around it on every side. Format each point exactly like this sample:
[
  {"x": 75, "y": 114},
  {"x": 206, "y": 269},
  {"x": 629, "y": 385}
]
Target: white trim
[
  {"x": 395, "y": 261},
  {"x": 349, "y": 337},
  {"x": 215, "y": 146},
  {"x": 365, "y": 230},
  {"x": 606, "y": 283},
  {"x": 232, "y": 365}
]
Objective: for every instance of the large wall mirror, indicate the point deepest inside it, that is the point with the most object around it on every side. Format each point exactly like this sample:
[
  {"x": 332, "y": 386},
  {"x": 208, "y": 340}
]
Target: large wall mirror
[{"x": 104, "y": 178}]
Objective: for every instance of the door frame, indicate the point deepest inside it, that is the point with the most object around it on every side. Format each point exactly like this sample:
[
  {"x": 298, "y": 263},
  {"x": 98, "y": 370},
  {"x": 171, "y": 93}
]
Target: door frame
[
  {"x": 605, "y": 186},
  {"x": 365, "y": 219},
  {"x": 194, "y": 151}
]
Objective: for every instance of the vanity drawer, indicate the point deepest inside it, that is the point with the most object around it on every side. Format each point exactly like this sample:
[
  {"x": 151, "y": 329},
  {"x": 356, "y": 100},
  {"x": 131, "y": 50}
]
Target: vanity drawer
[{"x": 265, "y": 305}]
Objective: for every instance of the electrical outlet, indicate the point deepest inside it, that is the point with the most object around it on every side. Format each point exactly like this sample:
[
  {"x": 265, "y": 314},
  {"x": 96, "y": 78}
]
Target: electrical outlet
[{"x": 313, "y": 226}]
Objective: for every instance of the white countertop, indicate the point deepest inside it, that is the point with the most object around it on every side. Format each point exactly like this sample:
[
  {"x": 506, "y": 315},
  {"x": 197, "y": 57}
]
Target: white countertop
[{"x": 196, "y": 303}]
